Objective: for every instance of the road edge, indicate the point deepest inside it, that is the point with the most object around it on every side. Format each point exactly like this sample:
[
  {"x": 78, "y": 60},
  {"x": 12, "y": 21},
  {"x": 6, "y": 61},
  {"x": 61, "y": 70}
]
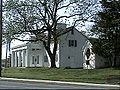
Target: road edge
[{"x": 60, "y": 82}]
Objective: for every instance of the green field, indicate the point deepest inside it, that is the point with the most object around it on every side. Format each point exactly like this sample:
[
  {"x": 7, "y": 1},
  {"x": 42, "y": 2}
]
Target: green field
[{"x": 107, "y": 75}]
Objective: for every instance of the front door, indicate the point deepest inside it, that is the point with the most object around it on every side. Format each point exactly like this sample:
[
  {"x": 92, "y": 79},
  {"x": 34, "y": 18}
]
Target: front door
[{"x": 35, "y": 60}]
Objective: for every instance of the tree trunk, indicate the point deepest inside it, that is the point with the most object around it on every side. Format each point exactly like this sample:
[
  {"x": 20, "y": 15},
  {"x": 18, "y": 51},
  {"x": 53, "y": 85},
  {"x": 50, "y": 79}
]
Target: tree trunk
[
  {"x": 110, "y": 61},
  {"x": 114, "y": 65},
  {"x": 6, "y": 55},
  {"x": 47, "y": 43},
  {"x": 51, "y": 55},
  {"x": 52, "y": 59},
  {"x": 53, "y": 65},
  {"x": 115, "y": 49},
  {"x": 114, "y": 60}
]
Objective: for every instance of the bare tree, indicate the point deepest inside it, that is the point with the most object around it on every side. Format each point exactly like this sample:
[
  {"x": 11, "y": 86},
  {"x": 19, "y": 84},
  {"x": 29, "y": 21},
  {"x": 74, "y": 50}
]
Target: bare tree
[{"x": 41, "y": 18}]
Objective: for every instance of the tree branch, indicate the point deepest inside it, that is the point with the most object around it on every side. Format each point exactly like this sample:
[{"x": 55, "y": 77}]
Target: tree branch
[
  {"x": 68, "y": 16},
  {"x": 67, "y": 5}
]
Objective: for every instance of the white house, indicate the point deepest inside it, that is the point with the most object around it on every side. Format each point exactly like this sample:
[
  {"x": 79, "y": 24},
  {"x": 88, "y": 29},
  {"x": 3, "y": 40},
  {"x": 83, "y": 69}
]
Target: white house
[{"x": 74, "y": 50}]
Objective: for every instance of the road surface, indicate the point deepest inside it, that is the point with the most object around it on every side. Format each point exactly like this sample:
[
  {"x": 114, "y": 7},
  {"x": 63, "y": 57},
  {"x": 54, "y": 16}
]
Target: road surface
[{"x": 34, "y": 85}]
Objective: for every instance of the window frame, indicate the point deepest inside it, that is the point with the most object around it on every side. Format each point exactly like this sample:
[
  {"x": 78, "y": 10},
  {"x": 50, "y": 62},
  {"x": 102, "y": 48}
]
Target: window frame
[{"x": 72, "y": 43}]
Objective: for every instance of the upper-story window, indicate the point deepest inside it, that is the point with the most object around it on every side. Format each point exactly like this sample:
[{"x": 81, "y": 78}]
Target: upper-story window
[
  {"x": 37, "y": 49},
  {"x": 72, "y": 43},
  {"x": 33, "y": 49}
]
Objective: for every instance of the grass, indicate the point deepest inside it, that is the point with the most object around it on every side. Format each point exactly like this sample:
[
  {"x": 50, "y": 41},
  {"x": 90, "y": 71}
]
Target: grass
[{"x": 107, "y": 75}]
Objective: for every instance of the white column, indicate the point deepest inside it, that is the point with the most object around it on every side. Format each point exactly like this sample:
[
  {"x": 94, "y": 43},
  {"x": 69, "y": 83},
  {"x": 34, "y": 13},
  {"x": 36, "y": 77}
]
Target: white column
[
  {"x": 26, "y": 59},
  {"x": 13, "y": 59},
  {"x": 23, "y": 57},
  {"x": 15, "y": 64},
  {"x": 19, "y": 59}
]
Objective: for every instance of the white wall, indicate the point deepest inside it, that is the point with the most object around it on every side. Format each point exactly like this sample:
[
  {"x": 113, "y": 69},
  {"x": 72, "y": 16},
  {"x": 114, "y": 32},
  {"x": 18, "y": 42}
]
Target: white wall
[
  {"x": 71, "y": 56},
  {"x": 27, "y": 54},
  {"x": 35, "y": 50}
]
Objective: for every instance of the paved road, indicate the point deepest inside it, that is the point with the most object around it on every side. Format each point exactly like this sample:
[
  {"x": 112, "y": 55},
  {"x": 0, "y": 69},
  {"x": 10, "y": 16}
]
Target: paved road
[{"x": 33, "y": 85}]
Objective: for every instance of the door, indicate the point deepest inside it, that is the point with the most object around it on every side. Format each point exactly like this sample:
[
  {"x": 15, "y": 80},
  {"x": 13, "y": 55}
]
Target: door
[{"x": 35, "y": 60}]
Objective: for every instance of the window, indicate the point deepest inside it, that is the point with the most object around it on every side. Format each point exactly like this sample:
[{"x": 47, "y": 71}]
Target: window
[
  {"x": 68, "y": 57},
  {"x": 72, "y": 43},
  {"x": 33, "y": 59},
  {"x": 87, "y": 62},
  {"x": 37, "y": 60},
  {"x": 37, "y": 49},
  {"x": 24, "y": 51},
  {"x": 33, "y": 49},
  {"x": 88, "y": 53},
  {"x": 75, "y": 43},
  {"x": 45, "y": 58}
]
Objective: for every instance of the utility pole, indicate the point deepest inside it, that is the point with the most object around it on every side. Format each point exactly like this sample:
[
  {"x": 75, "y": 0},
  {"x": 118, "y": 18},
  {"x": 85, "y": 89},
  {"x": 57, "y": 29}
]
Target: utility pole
[{"x": 0, "y": 37}]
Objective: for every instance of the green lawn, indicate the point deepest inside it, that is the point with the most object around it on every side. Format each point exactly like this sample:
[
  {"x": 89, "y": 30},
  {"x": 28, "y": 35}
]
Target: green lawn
[{"x": 107, "y": 75}]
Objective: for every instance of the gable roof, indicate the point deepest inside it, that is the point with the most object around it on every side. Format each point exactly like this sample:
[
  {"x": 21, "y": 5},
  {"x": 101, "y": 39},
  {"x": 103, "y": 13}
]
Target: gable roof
[{"x": 81, "y": 33}]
